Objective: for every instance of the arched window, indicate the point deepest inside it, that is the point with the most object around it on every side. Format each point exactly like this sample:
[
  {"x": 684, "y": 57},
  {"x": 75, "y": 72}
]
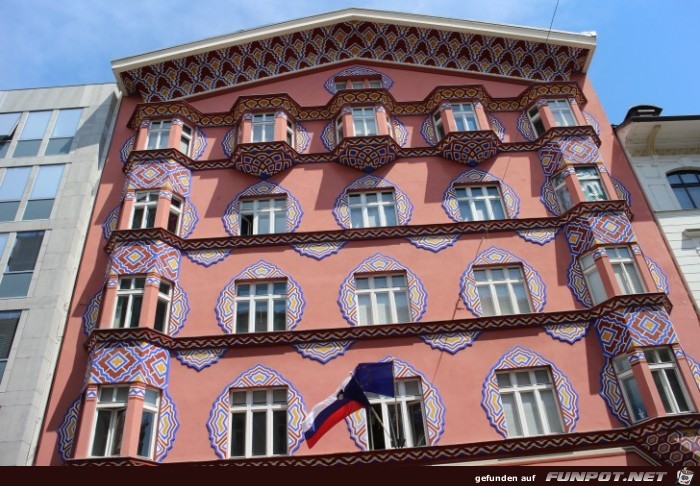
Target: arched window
[{"x": 686, "y": 187}]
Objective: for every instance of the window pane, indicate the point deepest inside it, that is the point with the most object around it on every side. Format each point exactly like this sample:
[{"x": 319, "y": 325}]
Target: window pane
[
  {"x": 402, "y": 311},
  {"x": 395, "y": 423},
  {"x": 117, "y": 432},
  {"x": 242, "y": 316},
  {"x": 261, "y": 316},
  {"x": 259, "y": 397},
  {"x": 677, "y": 390},
  {"x": 356, "y": 217},
  {"x": 380, "y": 282},
  {"x": 238, "y": 398},
  {"x": 364, "y": 309},
  {"x": 247, "y": 224},
  {"x": 263, "y": 223},
  {"x": 151, "y": 398},
  {"x": 551, "y": 411},
  {"x": 497, "y": 208},
  {"x": 161, "y": 314},
  {"x": 25, "y": 251},
  {"x": 120, "y": 314},
  {"x": 280, "y": 222},
  {"x": 521, "y": 298},
  {"x": 39, "y": 209},
  {"x": 99, "y": 444},
  {"x": 35, "y": 126},
  {"x": 663, "y": 391},
  {"x": 279, "y": 396},
  {"x": 67, "y": 123},
  {"x": 503, "y": 380},
  {"x": 15, "y": 284},
  {"x": 280, "y": 315},
  {"x": 383, "y": 309},
  {"x": 8, "y": 325},
  {"x": 238, "y": 434},
  {"x": 27, "y": 148},
  {"x": 58, "y": 146},
  {"x": 631, "y": 390},
  {"x": 259, "y": 434},
  {"x": 416, "y": 424},
  {"x": 279, "y": 432},
  {"x": 146, "y": 433},
  {"x": 13, "y": 183},
  {"x": 8, "y": 123},
  {"x": 373, "y": 216},
  {"x": 522, "y": 378},
  {"x": 8, "y": 210},
  {"x": 390, "y": 215},
  {"x": 135, "y": 311},
  {"x": 512, "y": 420},
  {"x": 487, "y": 304},
  {"x": 504, "y": 302},
  {"x": 532, "y": 416},
  {"x": 376, "y": 431},
  {"x": 595, "y": 286}
]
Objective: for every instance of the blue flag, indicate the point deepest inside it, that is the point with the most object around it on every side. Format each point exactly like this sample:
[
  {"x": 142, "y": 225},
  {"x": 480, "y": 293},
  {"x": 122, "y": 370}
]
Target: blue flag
[{"x": 376, "y": 378}]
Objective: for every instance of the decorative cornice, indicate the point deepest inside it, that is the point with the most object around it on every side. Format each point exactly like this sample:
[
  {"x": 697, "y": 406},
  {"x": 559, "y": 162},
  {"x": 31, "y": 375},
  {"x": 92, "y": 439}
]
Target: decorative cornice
[
  {"x": 267, "y": 158},
  {"x": 361, "y": 234},
  {"x": 414, "y": 329},
  {"x": 660, "y": 428},
  {"x": 274, "y": 102}
]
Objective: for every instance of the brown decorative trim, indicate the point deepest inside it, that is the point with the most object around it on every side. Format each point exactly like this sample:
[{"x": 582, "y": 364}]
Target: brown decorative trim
[
  {"x": 183, "y": 109},
  {"x": 362, "y": 234},
  {"x": 415, "y": 329},
  {"x": 661, "y": 427}
]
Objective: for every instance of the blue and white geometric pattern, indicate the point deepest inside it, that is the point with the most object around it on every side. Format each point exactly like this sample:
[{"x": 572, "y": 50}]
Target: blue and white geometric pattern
[
  {"x": 549, "y": 198},
  {"x": 518, "y": 358},
  {"x": 452, "y": 342},
  {"x": 111, "y": 221},
  {"x": 432, "y": 405},
  {"x": 539, "y": 236},
  {"x": 112, "y": 363},
  {"x": 92, "y": 313},
  {"x": 622, "y": 192},
  {"x": 228, "y": 144},
  {"x": 569, "y": 150},
  {"x": 378, "y": 263},
  {"x": 510, "y": 199},
  {"x": 199, "y": 144},
  {"x": 658, "y": 275},
  {"x": 577, "y": 284},
  {"x": 67, "y": 428},
  {"x": 199, "y": 359},
  {"x": 642, "y": 326},
  {"x": 400, "y": 132},
  {"x": 341, "y": 209},
  {"x": 427, "y": 131},
  {"x": 694, "y": 368},
  {"x": 611, "y": 393},
  {"x": 433, "y": 243},
  {"x": 328, "y": 136},
  {"x": 319, "y": 251},
  {"x": 263, "y": 188},
  {"x": 494, "y": 256},
  {"x": 323, "y": 352},
  {"x": 497, "y": 127},
  {"x": 189, "y": 219},
  {"x": 568, "y": 333},
  {"x": 168, "y": 174},
  {"x": 127, "y": 148},
  {"x": 592, "y": 122},
  {"x": 357, "y": 72},
  {"x": 258, "y": 376},
  {"x": 525, "y": 127},
  {"x": 179, "y": 309},
  {"x": 168, "y": 425},
  {"x": 207, "y": 258},
  {"x": 586, "y": 232},
  {"x": 143, "y": 258},
  {"x": 301, "y": 138},
  {"x": 261, "y": 270}
]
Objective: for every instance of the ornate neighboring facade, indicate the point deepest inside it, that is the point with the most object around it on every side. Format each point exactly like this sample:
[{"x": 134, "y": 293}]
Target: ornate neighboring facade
[{"x": 281, "y": 204}]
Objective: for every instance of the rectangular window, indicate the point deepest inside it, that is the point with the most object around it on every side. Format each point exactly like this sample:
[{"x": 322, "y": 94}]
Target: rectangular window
[
  {"x": 479, "y": 203},
  {"x": 437, "y": 123},
  {"x": 8, "y": 327},
  {"x": 364, "y": 122},
  {"x": 536, "y": 120},
  {"x": 261, "y": 307},
  {"x": 561, "y": 110},
  {"x": 372, "y": 209},
  {"x": 630, "y": 390},
  {"x": 591, "y": 185},
  {"x": 20, "y": 267},
  {"x": 263, "y": 216},
  {"x": 127, "y": 312},
  {"x": 109, "y": 421},
  {"x": 8, "y": 125},
  {"x": 593, "y": 280},
  {"x": 149, "y": 421},
  {"x": 563, "y": 196},
  {"x": 402, "y": 418},
  {"x": 625, "y": 270},
  {"x": 338, "y": 129},
  {"x": 341, "y": 85},
  {"x": 667, "y": 379},
  {"x": 44, "y": 191},
  {"x": 259, "y": 422},
  {"x": 162, "y": 308},
  {"x": 12, "y": 188},
  {"x": 185, "y": 140},
  {"x": 382, "y": 299},
  {"x": 502, "y": 291},
  {"x": 158, "y": 134},
  {"x": 63, "y": 132},
  {"x": 289, "y": 133},
  {"x": 465, "y": 117},
  {"x": 175, "y": 215},
  {"x": 32, "y": 134},
  {"x": 529, "y": 402},
  {"x": 263, "y": 129},
  {"x": 144, "y": 215}
]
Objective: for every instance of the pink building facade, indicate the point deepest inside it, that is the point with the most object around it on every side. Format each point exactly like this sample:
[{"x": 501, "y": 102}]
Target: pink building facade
[{"x": 282, "y": 204}]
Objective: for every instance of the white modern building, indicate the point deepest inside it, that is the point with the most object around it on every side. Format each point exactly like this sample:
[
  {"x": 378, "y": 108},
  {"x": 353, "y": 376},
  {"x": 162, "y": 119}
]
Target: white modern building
[
  {"x": 52, "y": 147},
  {"x": 665, "y": 154}
]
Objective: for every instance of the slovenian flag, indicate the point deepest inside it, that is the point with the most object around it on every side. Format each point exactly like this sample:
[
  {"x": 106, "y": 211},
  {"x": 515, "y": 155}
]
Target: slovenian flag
[{"x": 348, "y": 398}]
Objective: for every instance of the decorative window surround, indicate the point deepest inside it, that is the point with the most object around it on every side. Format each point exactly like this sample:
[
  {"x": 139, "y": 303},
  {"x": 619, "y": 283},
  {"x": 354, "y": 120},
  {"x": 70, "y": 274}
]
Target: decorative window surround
[
  {"x": 232, "y": 215},
  {"x": 341, "y": 208}
]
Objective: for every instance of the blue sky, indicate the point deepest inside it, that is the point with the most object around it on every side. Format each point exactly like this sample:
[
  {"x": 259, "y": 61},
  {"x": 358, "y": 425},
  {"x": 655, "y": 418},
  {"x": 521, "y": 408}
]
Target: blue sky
[{"x": 647, "y": 50}]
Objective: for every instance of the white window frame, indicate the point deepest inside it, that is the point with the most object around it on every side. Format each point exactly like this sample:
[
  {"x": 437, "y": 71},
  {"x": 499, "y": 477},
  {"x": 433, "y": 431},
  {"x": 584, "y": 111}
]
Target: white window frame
[
  {"x": 186, "y": 138},
  {"x": 158, "y": 134},
  {"x": 365, "y": 116},
  {"x": 165, "y": 295},
  {"x": 490, "y": 284},
  {"x": 269, "y": 407},
  {"x": 622, "y": 266},
  {"x": 592, "y": 277},
  {"x": 148, "y": 204},
  {"x": 402, "y": 400},
  {"x": 391, "y": 289},
  {"x": 383, "y": 207},
  {"x": 128, "y": 295},
  {"x": 290, "y": 133},
  {"x": 624, "y": 374},
  {"x": 437, "y": 124},
  {"x": 536, "y": 389},
  {"x": 562, "y": 113},
  {"x": 265, "y": 122},
  {"x": 176, "y": 206},
  {"x": 661, "y": 367},
  {"x": 585, "y": 181},
  {"x": 267, "y": 301},
  {"x": 561, "y": 191},
  {"x": 471, "y": 197},
  {"x": 466, "y": 114},
  {"x": 150, "y": 406},
  {"x": 273, "y": 212},
  {"x": 536, "y": 123},
  {"x": 114, "y": 407}
]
